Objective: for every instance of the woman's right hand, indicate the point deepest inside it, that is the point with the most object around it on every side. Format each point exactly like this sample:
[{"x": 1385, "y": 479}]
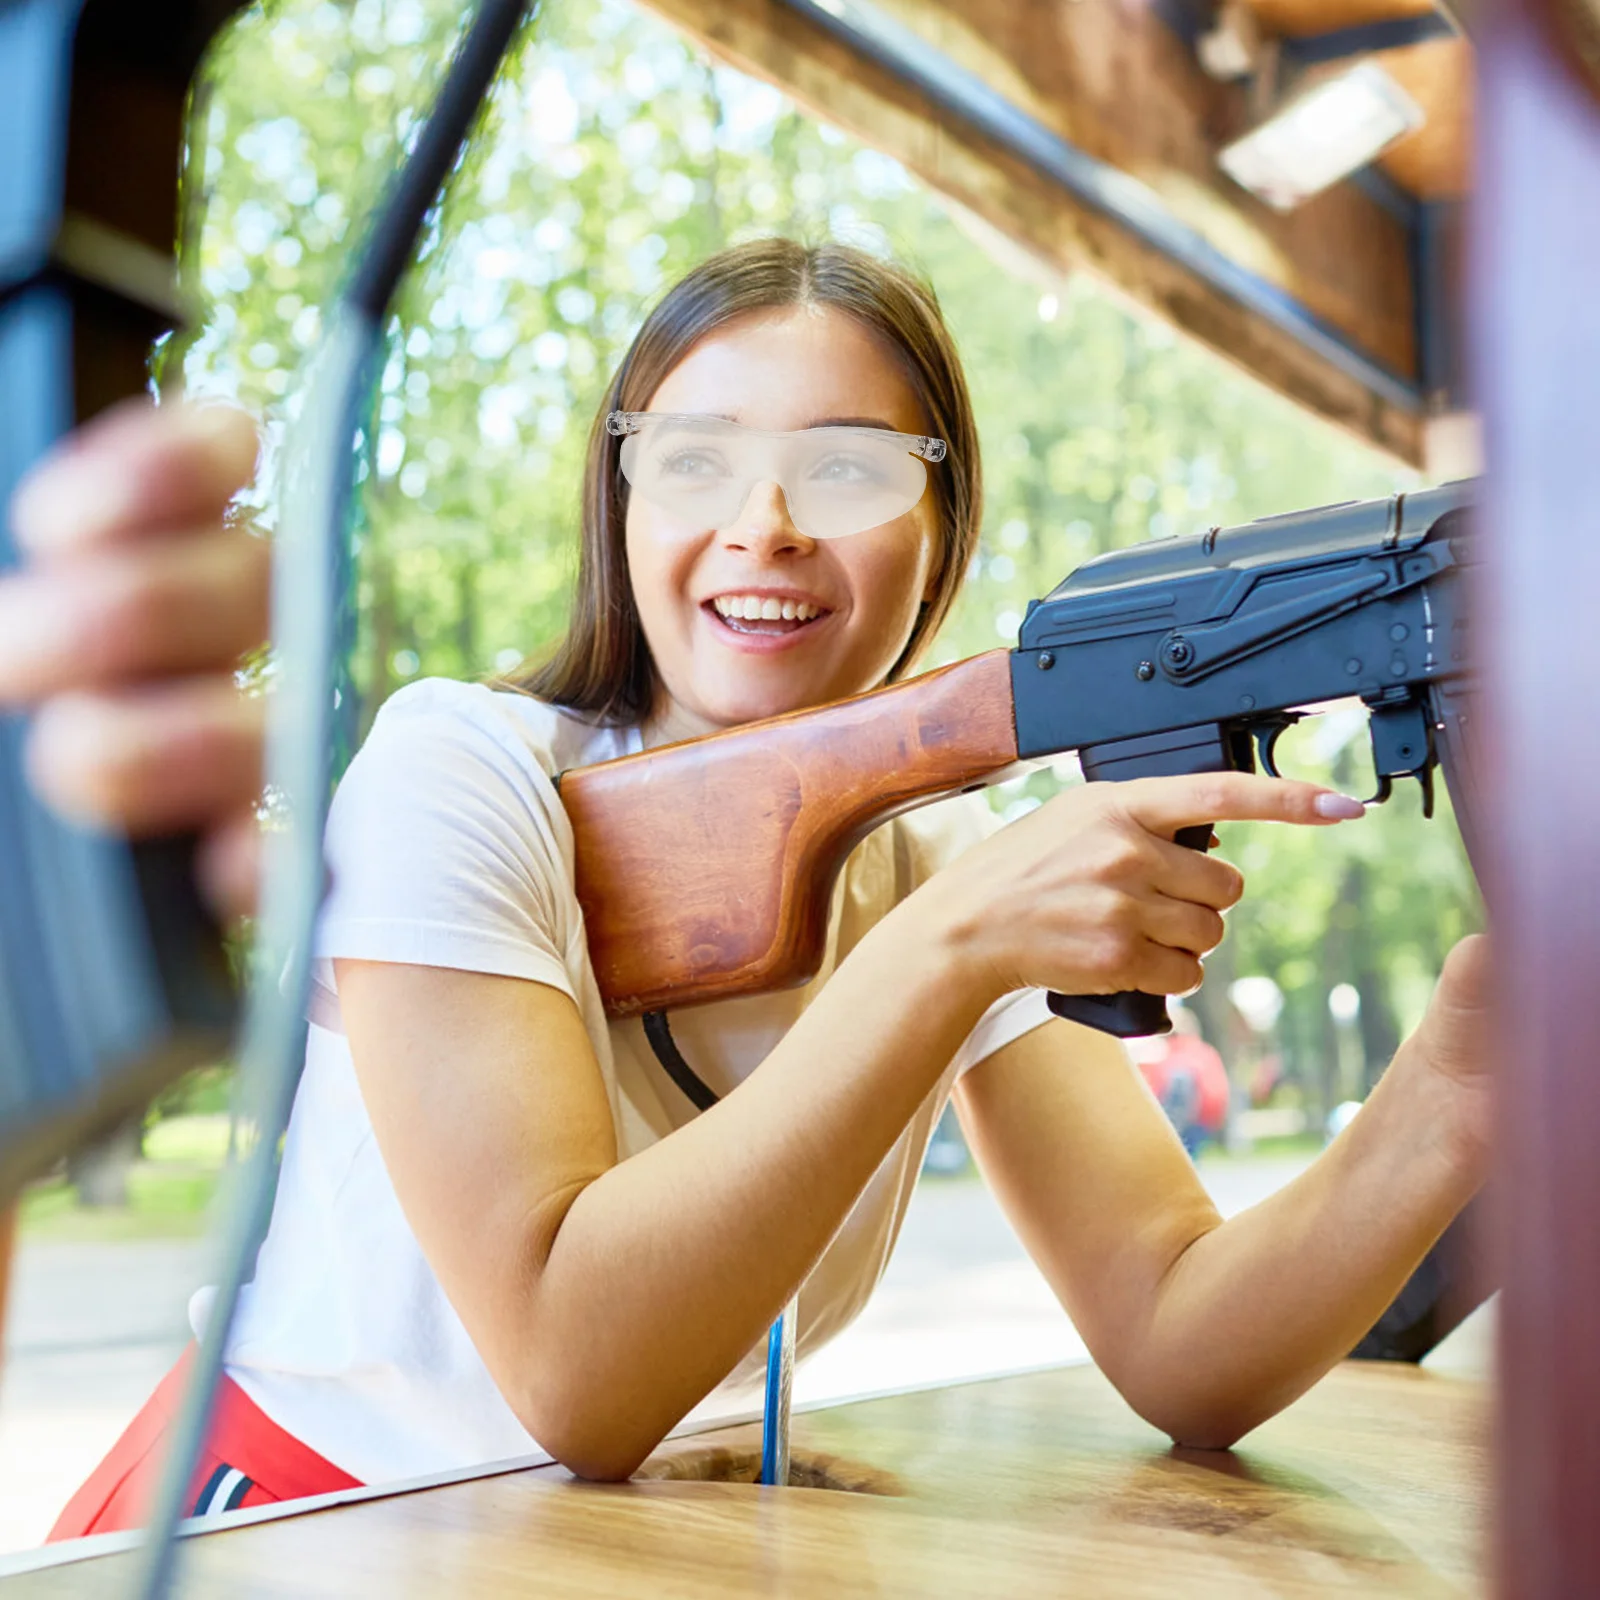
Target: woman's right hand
[{"x": 1090, "y": 895}]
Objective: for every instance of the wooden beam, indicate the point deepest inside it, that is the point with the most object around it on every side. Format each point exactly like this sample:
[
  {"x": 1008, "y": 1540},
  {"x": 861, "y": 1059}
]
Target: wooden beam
[
  {"x": 1118, "y": 85},
  {"x": 1302, "y": 19},
  {"x": 1434, "y": 162}
]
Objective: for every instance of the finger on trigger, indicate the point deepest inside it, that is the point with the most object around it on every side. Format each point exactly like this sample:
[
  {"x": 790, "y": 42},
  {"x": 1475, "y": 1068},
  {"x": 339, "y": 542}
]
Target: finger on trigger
[
  {"x": 134, "y": 470},
  {"x": 152, "y": 759},
  {"x": 1164, "y": 805}
]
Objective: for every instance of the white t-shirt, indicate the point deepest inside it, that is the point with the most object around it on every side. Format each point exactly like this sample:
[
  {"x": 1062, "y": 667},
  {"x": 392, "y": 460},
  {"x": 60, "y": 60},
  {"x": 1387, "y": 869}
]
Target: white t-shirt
[{"x": 448, "y": 847}]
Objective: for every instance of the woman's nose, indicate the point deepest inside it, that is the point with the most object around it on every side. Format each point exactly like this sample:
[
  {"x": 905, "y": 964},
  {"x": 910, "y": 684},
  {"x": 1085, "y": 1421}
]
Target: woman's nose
[{"x": 764, "y": 526}]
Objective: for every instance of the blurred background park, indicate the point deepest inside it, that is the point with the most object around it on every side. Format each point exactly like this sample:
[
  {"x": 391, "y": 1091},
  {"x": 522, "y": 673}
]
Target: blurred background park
[{"x": 614, "y": 157}]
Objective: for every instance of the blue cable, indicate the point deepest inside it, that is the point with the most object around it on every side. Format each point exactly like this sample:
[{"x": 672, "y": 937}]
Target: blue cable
[{"x": 780, "y": 1384}]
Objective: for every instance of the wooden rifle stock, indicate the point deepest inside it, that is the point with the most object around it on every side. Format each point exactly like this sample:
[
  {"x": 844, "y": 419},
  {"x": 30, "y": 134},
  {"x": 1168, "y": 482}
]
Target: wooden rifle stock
[{"x": 705, "y": 868}]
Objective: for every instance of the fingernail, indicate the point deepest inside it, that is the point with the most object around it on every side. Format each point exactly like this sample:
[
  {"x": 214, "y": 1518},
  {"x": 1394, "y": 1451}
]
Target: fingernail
[{"x": 1340, "y": 807}]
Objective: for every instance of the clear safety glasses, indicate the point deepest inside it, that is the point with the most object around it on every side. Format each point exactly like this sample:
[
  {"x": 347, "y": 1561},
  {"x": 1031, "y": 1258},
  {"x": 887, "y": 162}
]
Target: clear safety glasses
[{"x": 836, "y": 480}]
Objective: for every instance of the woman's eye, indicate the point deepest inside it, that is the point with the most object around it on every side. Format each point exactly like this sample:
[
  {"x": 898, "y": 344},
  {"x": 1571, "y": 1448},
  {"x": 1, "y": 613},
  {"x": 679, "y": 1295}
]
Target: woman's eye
[
  {"x": 845, "y": 469},
  {"x": 692, "y": 464}
]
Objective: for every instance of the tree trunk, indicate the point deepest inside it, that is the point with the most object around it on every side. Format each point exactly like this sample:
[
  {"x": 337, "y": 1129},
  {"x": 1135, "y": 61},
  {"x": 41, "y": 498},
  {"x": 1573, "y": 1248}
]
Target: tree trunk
[{"x": 99, "y": 1172}]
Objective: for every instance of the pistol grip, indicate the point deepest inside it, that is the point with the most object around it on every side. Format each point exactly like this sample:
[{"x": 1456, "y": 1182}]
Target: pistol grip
[
  {"x": 1204, "y": 747},
  {"x": 1131, "y": 1014}
]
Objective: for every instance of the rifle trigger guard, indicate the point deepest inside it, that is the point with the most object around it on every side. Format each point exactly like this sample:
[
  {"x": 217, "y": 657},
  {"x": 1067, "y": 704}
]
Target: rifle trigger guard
[{"x": 1385, "y": 790}]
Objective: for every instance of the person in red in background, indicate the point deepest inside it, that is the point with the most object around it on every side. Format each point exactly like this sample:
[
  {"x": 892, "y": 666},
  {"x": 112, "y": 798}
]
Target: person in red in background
[{"x": 1188, "y": 1078}]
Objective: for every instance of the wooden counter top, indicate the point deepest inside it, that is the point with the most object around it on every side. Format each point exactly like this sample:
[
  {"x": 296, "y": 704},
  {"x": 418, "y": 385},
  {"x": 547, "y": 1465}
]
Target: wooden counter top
[{"x": 1044, "y": 1484}]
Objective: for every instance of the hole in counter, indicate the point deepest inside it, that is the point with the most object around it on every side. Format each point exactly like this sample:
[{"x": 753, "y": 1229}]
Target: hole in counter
[{"x": 687, "y": 1462}]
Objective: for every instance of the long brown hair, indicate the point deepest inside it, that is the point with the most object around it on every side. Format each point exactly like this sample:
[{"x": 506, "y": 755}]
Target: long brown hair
[{"x": 603, "y": 665}]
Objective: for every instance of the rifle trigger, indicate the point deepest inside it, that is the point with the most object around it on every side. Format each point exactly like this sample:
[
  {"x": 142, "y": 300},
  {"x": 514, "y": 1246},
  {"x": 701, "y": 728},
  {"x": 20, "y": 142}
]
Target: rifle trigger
[{"x": 1425, "y": 778}]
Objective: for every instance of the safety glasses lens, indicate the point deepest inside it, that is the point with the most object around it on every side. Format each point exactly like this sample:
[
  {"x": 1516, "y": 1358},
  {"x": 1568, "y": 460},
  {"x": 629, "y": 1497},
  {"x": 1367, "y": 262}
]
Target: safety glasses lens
[
  {"x": 836, "y": 481},
  {"x": 844, "y": 485},
  {"x": 688, "y": 474}
]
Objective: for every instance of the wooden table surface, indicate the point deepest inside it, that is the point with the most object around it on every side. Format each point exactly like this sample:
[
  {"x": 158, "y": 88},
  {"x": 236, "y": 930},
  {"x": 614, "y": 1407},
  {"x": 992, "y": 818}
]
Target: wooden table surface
[{"x": 1043, "y": 1484}]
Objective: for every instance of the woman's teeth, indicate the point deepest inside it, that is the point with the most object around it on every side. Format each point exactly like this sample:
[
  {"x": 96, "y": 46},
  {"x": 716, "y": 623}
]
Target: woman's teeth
[{"x": 758, "y": 608}]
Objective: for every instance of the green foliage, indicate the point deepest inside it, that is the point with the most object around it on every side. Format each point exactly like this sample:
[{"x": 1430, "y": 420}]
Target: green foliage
[{"x": 613, "y": 158}]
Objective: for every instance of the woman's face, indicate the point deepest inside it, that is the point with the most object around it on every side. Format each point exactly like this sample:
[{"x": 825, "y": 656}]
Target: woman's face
[{"x": 802, "y": 367}]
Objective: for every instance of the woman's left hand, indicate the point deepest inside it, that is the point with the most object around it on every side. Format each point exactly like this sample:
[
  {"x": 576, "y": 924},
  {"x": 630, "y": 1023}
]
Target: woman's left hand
[{"x": 1454, "y": 1041}]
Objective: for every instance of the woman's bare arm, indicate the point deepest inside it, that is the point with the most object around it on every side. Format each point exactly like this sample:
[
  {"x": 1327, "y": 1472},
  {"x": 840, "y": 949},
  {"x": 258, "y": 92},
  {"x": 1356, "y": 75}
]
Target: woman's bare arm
[
  {"x": 607, "y": 1298},
  {"x": 1209, "y": 1327}
]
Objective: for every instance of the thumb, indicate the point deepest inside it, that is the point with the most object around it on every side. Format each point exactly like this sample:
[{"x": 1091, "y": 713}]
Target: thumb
[
  {"x": 1455, "y": 1025},
  {"x": 1164, "y": 805}
]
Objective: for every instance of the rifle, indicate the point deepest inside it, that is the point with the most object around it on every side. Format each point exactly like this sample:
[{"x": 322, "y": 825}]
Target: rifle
[{"x": 704, "y": 868}]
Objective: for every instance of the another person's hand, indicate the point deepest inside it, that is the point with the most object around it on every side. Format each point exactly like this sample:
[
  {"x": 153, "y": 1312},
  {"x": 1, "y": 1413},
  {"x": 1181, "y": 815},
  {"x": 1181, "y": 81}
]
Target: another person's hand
[
  {"x": 123, "y": 630},
  {"x": 1090, "y": 895}
]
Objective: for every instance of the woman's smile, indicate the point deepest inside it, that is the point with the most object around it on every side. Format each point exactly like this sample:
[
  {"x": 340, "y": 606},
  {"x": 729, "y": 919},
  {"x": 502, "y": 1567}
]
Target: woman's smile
[{"x": 763, "y": 620}]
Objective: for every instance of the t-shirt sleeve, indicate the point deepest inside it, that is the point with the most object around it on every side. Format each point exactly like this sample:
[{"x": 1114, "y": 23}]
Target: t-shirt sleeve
[
  {"x": 936, "y": 836},
  {"x": 446, "y": 847}
]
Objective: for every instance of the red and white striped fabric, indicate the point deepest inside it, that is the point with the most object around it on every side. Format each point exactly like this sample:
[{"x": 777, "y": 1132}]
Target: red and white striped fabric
[{"x": 248, "y": 1461}]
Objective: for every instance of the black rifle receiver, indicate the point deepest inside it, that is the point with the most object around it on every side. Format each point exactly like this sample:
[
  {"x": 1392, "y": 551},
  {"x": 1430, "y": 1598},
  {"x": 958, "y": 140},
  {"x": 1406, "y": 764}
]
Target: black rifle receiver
[
  {"x": 112, "y": 975},
  {"x": 1194, "y": 654}
]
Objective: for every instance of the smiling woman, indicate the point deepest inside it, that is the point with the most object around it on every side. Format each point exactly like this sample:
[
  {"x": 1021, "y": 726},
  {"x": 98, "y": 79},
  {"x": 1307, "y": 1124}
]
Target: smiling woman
[
  {"x": 500, "y": 1226},
  {"x": 765, "y": 339},
  {"x": 870, "y": 593},
  {"x": 459, "y": 779}
]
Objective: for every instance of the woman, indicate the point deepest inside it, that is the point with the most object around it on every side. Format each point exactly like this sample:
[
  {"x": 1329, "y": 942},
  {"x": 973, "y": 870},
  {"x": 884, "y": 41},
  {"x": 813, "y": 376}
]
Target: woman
[{"x": 501, "y": 1227}]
